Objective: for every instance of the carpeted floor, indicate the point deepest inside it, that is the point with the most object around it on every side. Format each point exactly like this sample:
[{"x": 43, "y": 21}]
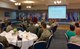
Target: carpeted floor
[{"x": 59, "y": 41}]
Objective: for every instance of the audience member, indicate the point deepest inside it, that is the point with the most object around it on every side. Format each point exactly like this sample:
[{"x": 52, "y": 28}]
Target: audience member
[
  {"x": 4, "y": 41},
  {"x": 35, "y": 20},
  {"x": 6, "y": 21},
  {"x": 79, "y": 23},
  {"x": 23, "y": 26},
  {"x": 77, "y": 29},
  {"x": 9, "y": 27},
  {"x": 72, "y": 22},
  {"x": 32, "y": 28},
  {"x": 54, "y": 24},
  {"x": 50, "y": 22},
  {"x": 75, "y": 39},
  {"x": 71, "y": 32},
  {"x": 45, "y": 33}
]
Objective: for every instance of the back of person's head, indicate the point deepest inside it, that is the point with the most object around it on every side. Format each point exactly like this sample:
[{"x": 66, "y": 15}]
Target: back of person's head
[
  {"x": 43, "y": 24},
  {"x": 20, "y": 25},
  {"x": 72, "y": 28},
  {"x": 9, "y": 23},
  {"x": 77, "y": 24},
  {"x": 31, "y": 23}
]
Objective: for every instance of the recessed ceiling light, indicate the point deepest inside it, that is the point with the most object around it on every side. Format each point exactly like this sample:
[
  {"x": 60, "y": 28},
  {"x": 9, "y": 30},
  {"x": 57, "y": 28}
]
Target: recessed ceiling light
[
  {"x": 28, "y": 2},
  {"x": 17, "y": 3},
  {"x": 28, "y": 6},
  {"x": 12, "y": 0},
  {"x": 55, "y": 2}
]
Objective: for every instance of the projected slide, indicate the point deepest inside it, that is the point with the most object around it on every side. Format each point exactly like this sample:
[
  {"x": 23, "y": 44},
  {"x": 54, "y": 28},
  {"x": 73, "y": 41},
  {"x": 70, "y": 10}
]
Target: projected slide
[{"x": 57, "y": 12}]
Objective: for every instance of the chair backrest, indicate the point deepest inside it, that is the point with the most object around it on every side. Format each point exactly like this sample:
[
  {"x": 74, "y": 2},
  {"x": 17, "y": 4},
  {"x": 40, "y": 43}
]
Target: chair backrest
[
  {"x": 4, "y": 29},
  {"x": 53, "y": 28},
  {"x": 40, "y": 45},
  {"x": 66, "y": 37},
  {"x": 20, "y": 28},
  {"x": 49, "y": 41},
  {"x": 1, "y": 46},
  {"x": 73, "y": 46}
]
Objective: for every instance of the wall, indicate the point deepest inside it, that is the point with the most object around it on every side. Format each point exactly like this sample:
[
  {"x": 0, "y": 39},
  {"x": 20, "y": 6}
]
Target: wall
[
  {"x": 2, "y": 12},
  {"x": 7, "y": 5}
]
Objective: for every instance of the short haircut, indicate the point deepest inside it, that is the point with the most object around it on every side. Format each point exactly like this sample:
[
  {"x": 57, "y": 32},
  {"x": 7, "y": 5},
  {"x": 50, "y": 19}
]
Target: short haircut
[
  {"x": 9, "y": 23},
  {"x": 77, "y": 24},
  {"x": 72, "y": 28},
  {"x": 43, "y": 24}
]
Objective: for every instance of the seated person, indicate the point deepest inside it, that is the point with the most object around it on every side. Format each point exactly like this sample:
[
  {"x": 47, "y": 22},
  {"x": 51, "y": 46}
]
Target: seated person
[
  {"x": 23, "y": 26},
  {"x": 45, "y": 33},
  {"x": 35, "y": 20},
  {"x": 71, "y": 32},
  {"x": 79, "y": 23},
  {"x": 9, "y": 27},
  {"x": 50, "y": 22},
  {"x": 54, "y": 24},
  {"x": 72, "y": 22},
  {"x": 4, "y": 41},
  {"x": 32, "y": 28},
  {"x": 77, "y": 28},
  {"x": 75, "y": 39}
]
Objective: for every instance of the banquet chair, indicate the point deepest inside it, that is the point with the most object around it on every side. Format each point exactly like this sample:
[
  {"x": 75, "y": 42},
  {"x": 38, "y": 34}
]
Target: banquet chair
[
  {"x": 39, "y": 45},
  {"x": 54, "y": 29},
  {"x": 66, "y": 37},
  {"x": 3, "y": 25},
  {"x": 49, "y": 41},
  {"x": 19, "y": 28},
  {"x": 4, "y": 29},
  {"x": 72, "y": 46},
  {"x": 1, "y": 46}
]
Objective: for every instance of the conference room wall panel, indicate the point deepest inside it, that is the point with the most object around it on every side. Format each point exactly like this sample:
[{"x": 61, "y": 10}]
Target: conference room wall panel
[
  {"x": 72, "y": 14},
  {"x": 7, "y": 13}
]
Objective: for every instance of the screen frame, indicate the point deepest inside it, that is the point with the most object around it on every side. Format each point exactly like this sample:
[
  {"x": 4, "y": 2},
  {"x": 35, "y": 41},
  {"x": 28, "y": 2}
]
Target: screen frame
[{"x": 57, "y": 5}]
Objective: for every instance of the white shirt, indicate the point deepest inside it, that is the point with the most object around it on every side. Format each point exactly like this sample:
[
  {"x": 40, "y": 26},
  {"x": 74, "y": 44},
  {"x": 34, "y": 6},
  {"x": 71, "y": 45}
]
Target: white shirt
[{"x": 75, "y": 39}]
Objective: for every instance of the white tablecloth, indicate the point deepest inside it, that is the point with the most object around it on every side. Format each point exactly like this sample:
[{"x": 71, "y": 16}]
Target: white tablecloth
[{"x": 27, "y": 38}]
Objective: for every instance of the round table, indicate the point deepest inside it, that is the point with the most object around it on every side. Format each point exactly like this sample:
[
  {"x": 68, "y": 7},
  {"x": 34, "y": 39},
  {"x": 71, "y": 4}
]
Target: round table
[{"x": 27, "y": 38}]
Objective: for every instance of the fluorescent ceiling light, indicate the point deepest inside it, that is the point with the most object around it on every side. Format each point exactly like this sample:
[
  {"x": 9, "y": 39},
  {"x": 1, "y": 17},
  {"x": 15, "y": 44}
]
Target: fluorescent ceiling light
[
  {"x": 28, "y": 2},
  {"x": 28, "y": 6},
  {"x": 12, "y": 0}
]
